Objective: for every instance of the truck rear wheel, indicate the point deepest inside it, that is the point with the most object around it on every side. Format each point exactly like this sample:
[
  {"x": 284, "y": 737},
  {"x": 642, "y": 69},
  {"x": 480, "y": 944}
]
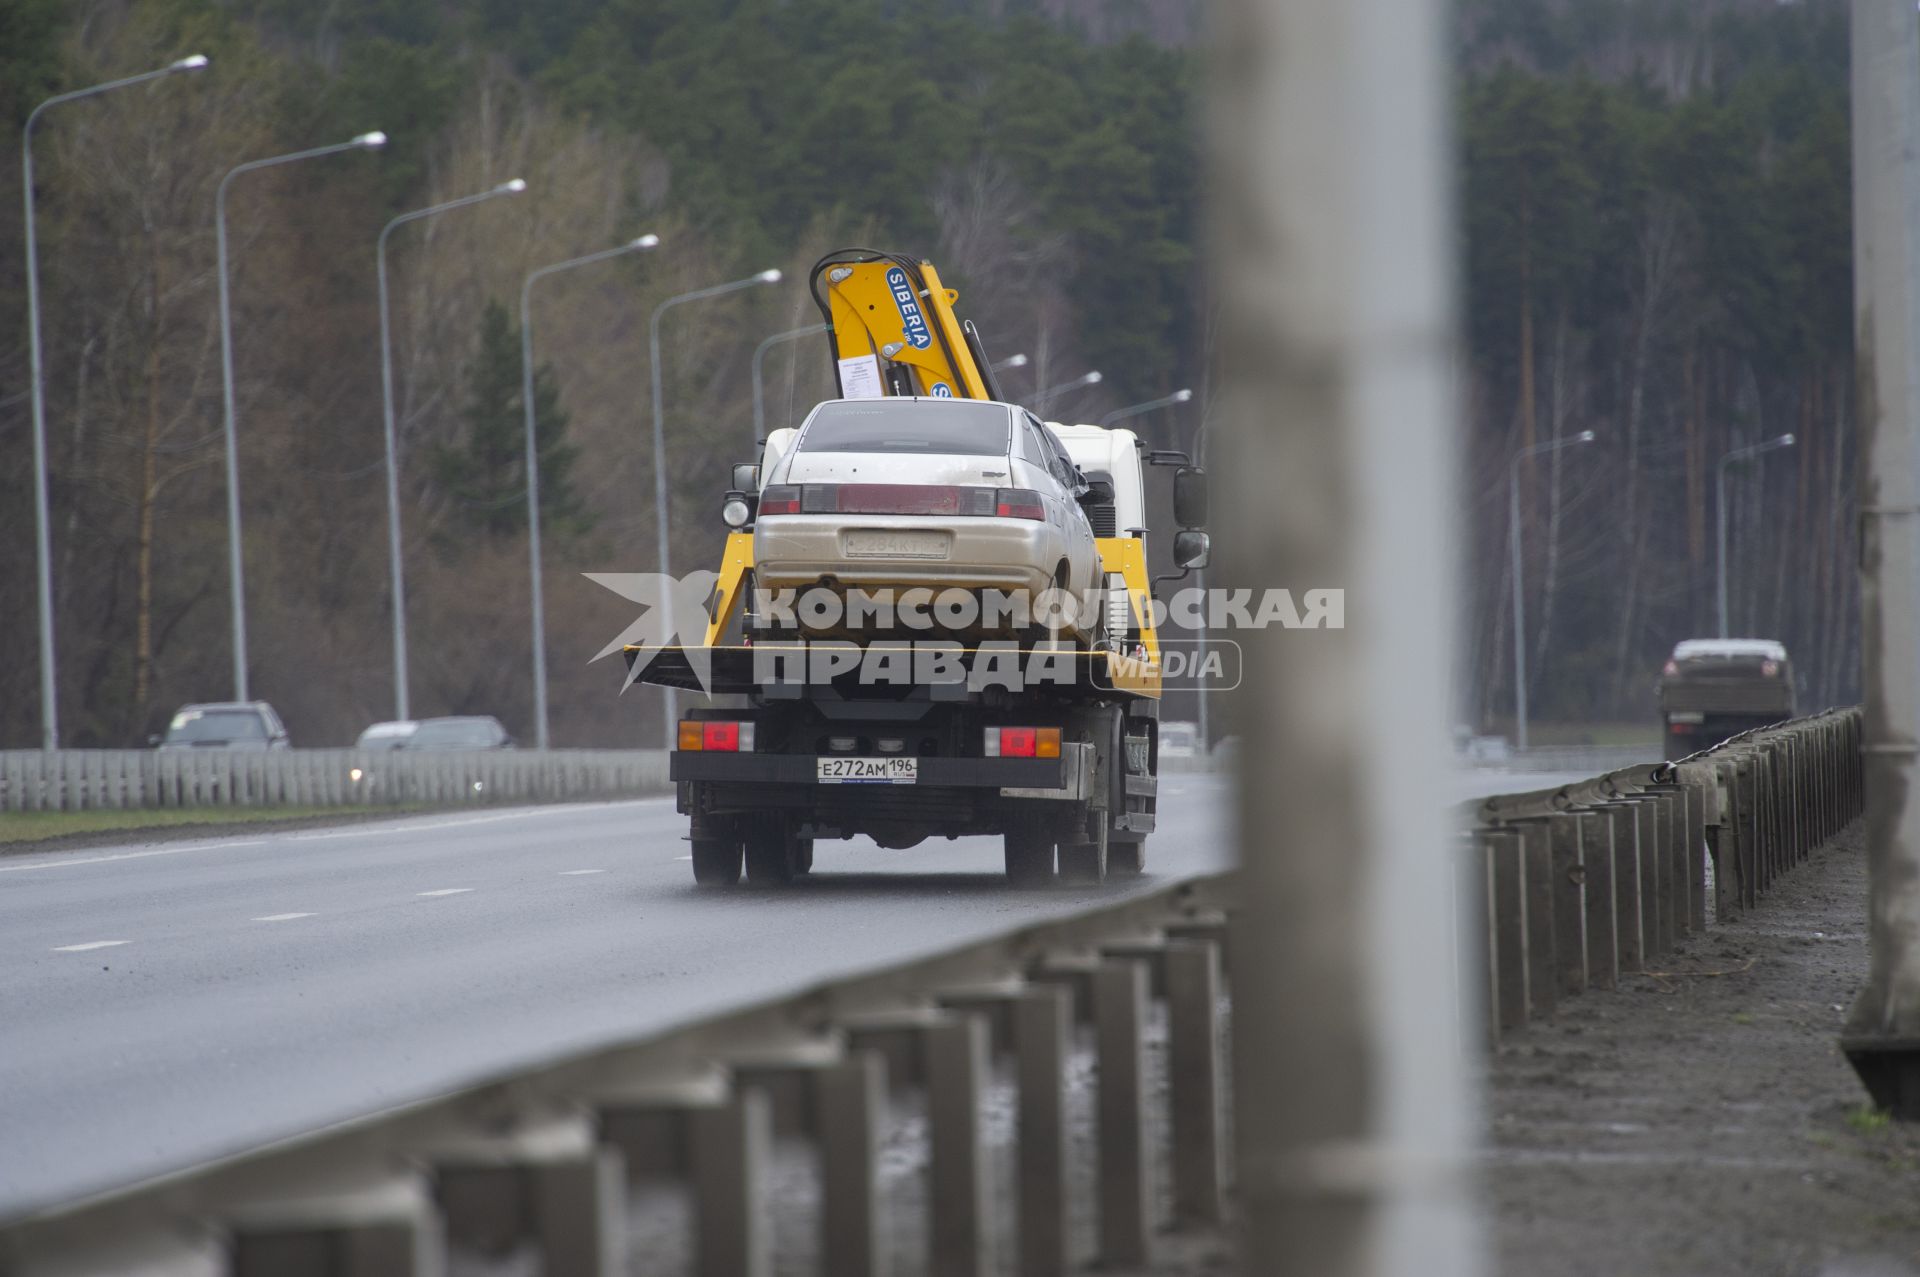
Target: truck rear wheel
[
  {"x": 716, "y": 862},
  {"x": 1029, "y": 858},
  {"x": 772, "y": 858}
]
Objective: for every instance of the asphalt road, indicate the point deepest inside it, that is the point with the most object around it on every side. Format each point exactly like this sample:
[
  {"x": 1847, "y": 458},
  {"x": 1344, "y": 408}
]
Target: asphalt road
[{"x": 166, "y": 1002}]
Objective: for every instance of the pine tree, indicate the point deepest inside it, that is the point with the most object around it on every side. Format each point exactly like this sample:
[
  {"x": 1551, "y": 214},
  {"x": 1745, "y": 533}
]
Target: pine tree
[{"x": 486, "y": 473}]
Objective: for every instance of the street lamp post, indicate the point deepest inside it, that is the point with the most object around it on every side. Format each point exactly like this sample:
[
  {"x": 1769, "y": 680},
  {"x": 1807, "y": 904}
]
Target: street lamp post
[
  {"x": 1519, "y": 583},
  {"x": 402, "y": 708},
  {"x": 759, "y": 391},
  {"x": 533, "y": 468},
  {"x": 660, "y": 449},
  {"x": 1135, "y": 410},
  {"x": 42, "y": 534},
  {"x": 1085, "y": 379},
  {"x": 1720, "y": 504},
  {"x": 365, "y": 142}
]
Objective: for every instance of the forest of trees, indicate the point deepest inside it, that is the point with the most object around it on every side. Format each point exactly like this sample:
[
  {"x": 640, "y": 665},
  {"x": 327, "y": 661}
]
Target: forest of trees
[{"x": 1655, "y": 246}]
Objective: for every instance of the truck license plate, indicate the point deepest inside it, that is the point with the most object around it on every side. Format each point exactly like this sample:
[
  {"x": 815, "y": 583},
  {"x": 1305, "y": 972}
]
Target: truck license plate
[
  {"x": 891, "y": 543},
  {"x": 867, "y": 771}
]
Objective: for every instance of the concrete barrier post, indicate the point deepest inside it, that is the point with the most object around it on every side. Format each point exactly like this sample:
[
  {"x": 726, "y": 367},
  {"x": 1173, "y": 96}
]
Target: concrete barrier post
[
  {"x": 1193, "y": 1077},
  {"x": 954, "y": 1056},
  {"x": 1543, "y": 967},
  {"x": 1507, "y": 926},
  {"x": 727, "y": 1147},
  {"x": 1599, "y": 899},
  {"x": 1569, "y": 895},
  {"x": 849, "y": 1106},
  {"x": 1125, "y": 1174},
  {"x": 1042, "y": 1022}
]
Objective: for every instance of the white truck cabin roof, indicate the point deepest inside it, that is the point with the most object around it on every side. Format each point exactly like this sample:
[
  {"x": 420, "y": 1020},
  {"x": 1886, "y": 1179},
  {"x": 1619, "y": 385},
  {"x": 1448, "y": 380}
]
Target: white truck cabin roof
[{"x": 1111, "y": 454}]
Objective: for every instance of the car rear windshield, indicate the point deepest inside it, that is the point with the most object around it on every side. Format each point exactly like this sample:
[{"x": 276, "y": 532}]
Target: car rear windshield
[
  {"x": 216, "y": 724},
  {"x": 959, "y": 428}
]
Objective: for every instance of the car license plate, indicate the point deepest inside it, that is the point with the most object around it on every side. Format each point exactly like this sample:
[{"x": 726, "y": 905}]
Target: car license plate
[
  {"x": 890, "y": 543},
  {"x": 867, "y": 771}
]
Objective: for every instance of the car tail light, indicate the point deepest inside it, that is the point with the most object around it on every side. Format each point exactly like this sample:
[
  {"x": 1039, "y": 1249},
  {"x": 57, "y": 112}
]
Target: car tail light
[
  {"x": 780, "y": 498},
  {"x": 1769, "y": 669},
  {"x": 1023, "y": 742},
  {"x": 716, "y": 737},
  {"x": 951, "y": 500},
  {"x": 1018, "y": 503},
  {"x": 1670, "y": 668}
]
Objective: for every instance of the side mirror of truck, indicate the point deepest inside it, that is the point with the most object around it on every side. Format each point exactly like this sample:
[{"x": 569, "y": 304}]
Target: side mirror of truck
[
  {"x": 1190, "y": 497},
  {"x": 1191, "y": 549},
  {"x": 746, "y": 476},
  {"x": 737, "y": 508}
]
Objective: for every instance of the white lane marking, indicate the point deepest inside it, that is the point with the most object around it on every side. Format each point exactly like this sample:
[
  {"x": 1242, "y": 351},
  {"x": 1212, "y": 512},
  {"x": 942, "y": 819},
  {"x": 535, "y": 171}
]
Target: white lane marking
[
  {"x": 574, "y": 873},
  {"x": 445, "y": 891},
  {"x": 465, "y": 821},
  {"x": 283, "y": 917},
  {"x": 91, "y": 944},
  {"x": 133, "y": 855}
]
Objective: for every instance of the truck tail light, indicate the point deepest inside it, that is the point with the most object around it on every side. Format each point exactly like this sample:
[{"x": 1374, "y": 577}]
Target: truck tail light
[
  {"x": 1670, "y": 668},
  {"x": 1769, "y": 669},
  {"x": 722, "y": 737},
  {"x": 1023, "y": 742},
  {"x": 780, "y": 498},
  {"x": 1018, "y": 503}
]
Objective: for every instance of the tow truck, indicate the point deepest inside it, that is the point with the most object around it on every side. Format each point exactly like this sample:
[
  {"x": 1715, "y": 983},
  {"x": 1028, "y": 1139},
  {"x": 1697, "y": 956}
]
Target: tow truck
[{"x": 1047, "y": 737}]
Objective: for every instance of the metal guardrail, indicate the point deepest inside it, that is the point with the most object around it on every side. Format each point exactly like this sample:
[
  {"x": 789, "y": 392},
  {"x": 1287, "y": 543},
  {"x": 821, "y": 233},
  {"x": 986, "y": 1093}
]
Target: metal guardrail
[
  {"x": 1564, "y": 890},
  {"x": 80, "y": 779},
  {"x": 545, "y": 1156},
  {"x": 1568, "y": 889}
]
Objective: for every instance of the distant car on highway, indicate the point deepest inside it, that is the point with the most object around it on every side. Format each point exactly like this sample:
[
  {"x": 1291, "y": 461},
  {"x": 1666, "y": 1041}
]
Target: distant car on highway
[
  {"x": 1711, "y": 689},
  {"x": 247, "y": 725},
  {"x": 464, "y": 732},
  {"x": 389, "y": 735},
  {"x": 1179, "y": 740}
]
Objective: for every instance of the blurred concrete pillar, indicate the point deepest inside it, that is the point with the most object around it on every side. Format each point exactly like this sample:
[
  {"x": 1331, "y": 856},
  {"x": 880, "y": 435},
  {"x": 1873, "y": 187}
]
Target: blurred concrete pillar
[
  {"x": 1332, "y": 262},
  {"x": 1882, "y": 1035}
]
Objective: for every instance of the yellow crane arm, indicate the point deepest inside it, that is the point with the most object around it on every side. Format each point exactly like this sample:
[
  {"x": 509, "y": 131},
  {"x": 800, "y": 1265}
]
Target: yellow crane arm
[{"x": 893, "y": 330}]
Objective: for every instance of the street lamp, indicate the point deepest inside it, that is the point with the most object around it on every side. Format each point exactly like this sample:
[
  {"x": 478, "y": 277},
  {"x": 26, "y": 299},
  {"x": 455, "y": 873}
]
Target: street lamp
[
  {"x": 1011, "y": 361},
  {"x": 1085, "y": 379},
  {"x": 401, "y": 708},
  {"x": 1121, "y": 414},
  {"x": 42, "y": 536},
  {"x": 660, "y": 447},
  {"x": 365, "y": 142},
  {"x": 533, "y": 467},
  {"x": 1720, "y": 492},
  {"x": 760, "y": 353},
  {"x": 1519, "y": 592}
]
